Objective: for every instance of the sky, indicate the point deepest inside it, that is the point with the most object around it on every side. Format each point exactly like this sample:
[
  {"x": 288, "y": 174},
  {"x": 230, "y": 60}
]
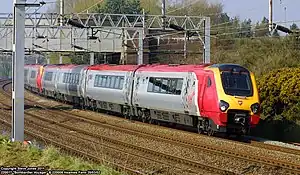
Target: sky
[
  {"x": 253, "y": 9},
  {"x": 256, "y": 9}
]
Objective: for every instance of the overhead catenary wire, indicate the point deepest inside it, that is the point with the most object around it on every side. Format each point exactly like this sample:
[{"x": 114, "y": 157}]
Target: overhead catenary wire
[
  {"x": 180, "y": 32},
  {"x": 217, "y": 29},
  {"x": 219, "y": 39},
  {"x": 94, "y": 5}
]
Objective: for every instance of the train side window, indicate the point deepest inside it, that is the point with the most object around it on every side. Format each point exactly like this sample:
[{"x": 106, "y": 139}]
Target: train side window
[
  {"x": 32, "y": 75},
  {"x": 73, "y": 78},
  {"x": 48, "y": 76},
  {"x": 112, "y": 82},
  {"x": 150, "y": 84},
  {"x": 173, "y": 86},
  {"x": 69, "y": 78},
  {"x": 117, "y": 82},
  {"x": 25, "y": 73},
  {"x": 100, "y": 79},
  {"x": 76, "y": 79},
  {"x": 108, "y": 81},
  {"x": 45, "y": 76},
  {"x": 64, "y": 78},
  {"x": 96, "y": 83},
  {"x": 121, "y": 83},
  {"x": 208, "y": 82},
  {"x": 179, "y": 86},
  {"x": 157, "y": 84},
  {"x": 164, "y": 85},
  {"x": 169, "y": 86},
  {"x": 103, "y": 82}
]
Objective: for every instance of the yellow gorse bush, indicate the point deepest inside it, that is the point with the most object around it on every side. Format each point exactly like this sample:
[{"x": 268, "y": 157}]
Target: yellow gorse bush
[{"x": 280, "y": 93}]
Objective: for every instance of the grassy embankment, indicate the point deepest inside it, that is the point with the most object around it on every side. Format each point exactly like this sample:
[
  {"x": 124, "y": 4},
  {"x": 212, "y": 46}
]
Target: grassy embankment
[{"x": 15, "y": 154}]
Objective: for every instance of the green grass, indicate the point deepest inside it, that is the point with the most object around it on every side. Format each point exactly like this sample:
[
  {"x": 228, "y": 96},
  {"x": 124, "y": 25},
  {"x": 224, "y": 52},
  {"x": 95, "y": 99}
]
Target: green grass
[{"x": 15, "y": 154}]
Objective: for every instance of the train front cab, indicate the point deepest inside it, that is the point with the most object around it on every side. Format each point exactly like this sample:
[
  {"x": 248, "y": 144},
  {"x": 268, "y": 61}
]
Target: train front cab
[{"x": 238, "y": 99}]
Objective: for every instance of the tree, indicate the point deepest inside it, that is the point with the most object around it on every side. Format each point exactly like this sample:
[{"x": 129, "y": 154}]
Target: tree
[
  {"x": 294, "y": 27},
  {"x": 195, "y": 8},
  {"x": 262, "y": 28},
  {"x": 120, "y": 6},
  {"x": 151, "y": 7},
  {"x": 83, "y": 58},
  {"x": 245, "y": 29},
  {"x": 72, "y": 6}
]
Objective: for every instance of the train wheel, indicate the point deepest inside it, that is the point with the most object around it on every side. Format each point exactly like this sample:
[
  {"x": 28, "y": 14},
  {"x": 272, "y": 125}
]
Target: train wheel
[
  {"x": 140, "y": 115},
  {"x": 199, "y": 128},
  {"x": 208, "y": 129},
  {"x": 210, "y": 132},
  {"x": 125, "y": 113},
  {"x": 144, "y": 117}
]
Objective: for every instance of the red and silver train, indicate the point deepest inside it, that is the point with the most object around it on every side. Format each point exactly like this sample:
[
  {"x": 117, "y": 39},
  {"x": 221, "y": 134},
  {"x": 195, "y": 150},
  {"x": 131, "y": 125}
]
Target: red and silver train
[{"x": 214, "y": 98}]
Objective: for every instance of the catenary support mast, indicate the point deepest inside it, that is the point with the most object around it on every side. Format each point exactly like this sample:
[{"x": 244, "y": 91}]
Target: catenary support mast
[
  {"x": 18, "y": 71},
  {"x": 270, "y": 15},
  {"x": 61, "y": 12}
]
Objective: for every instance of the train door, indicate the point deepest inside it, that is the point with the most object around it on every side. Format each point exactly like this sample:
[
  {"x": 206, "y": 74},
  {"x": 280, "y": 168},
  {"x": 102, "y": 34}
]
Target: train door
[
  {"x": 201, "y": 88},
  {"x": 128, "y": 87},
  {"x": 40, "y": 72},
  {"x": 189, "y": 94},
  {"x": 82, "y": 83},
  {"x": 210, "y": 100}
]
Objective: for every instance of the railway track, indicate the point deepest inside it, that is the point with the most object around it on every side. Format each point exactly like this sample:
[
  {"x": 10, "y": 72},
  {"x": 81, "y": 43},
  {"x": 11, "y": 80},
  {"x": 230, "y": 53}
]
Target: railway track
[
  {"x": 288, "y": 167},
  {"x": 275, "y": 147},
  {"x": 192, "y": 165}
]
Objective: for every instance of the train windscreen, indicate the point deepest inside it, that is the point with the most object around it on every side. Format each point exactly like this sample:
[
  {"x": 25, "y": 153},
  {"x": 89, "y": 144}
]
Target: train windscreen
[{"x": 237, "y": 84}]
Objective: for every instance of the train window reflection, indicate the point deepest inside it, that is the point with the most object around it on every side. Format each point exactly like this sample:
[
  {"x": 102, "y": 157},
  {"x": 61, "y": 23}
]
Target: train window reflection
[
  {"x": 237, "y": 84},
  {"x": 165, "y": 85}
]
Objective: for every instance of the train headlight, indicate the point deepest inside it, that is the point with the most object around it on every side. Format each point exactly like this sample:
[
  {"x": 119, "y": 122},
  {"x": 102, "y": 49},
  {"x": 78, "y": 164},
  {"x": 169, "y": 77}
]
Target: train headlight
[
  {"x": 255, "y": 108},
  {"x": 223, "y": 106}
]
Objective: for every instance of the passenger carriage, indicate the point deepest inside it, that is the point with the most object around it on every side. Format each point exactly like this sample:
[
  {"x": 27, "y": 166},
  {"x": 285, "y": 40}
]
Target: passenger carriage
[
  {"x": 109, "y": 87},
  {"x": 69, "y": 81}
]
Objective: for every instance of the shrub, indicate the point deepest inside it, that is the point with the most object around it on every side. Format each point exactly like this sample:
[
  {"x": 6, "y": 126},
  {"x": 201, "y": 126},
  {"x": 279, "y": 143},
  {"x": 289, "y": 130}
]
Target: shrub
[{"x": 280, "y": 93}]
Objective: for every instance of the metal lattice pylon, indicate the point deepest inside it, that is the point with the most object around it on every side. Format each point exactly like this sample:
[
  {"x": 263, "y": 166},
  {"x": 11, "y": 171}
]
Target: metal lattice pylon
[{"x": 42, "y": 31}]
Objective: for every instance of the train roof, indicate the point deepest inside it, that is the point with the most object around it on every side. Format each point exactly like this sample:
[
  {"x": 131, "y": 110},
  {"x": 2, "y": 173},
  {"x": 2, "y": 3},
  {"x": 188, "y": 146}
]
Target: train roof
[
  {"x": 148, "y": 67},
  {"x": 173, "y": 67},
  {"x": 33, "y": 65},
  {"x": 114, "y": 67},
  {"x": 230, "y": 67},
  {"x": 65, "y": 66}
]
